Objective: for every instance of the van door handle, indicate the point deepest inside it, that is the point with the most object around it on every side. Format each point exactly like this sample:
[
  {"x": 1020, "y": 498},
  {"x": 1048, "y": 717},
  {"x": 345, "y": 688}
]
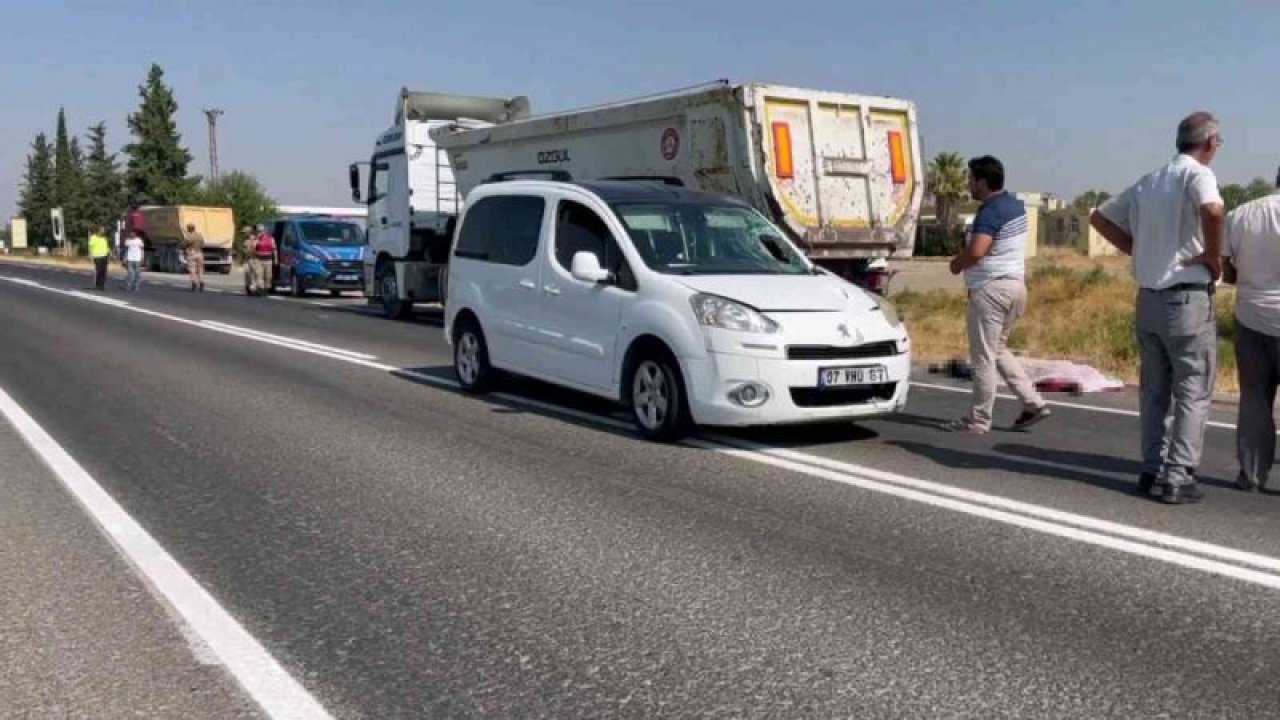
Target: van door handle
[
  {"x": 551, "y": 289},
  {"x": 528, "y": 285}
]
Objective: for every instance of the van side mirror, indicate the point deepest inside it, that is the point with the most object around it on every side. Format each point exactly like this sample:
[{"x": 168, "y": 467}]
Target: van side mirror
[
  {"x": 353, "y": 176},
  {"x": 586, "y": 268}
]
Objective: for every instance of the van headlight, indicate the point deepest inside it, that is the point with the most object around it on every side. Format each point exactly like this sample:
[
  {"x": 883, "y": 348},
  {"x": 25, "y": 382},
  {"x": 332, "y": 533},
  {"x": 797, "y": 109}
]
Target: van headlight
[
  {"x": 890, "y": 312},
  {"x": 310, "y": 257},
  {"x": 715, "y": 311}
]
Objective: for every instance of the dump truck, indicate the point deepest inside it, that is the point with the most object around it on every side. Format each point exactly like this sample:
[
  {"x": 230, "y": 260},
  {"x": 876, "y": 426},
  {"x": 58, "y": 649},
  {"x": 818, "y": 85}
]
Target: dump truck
[
  {"x": 840, "y": 172},
  {"x": 162, "y": 227}
]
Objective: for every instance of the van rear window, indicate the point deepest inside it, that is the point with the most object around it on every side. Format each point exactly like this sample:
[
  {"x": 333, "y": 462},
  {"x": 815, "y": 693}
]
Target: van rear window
[{"x": 502, "y": 229}]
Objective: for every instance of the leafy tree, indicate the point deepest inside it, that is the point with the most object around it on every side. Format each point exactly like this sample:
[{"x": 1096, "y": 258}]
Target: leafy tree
[
  {"x": 1235, "y": 194},
  {"x": 246, "y": 197},
  {"x": 1260, "y": 188},
  {"x": 104, "y": 185},
  {"x": 1090, "y": 199},
  {"x": 36, "y": 197},
  {"x": 157, "y": 168},
  {"x": 948, "y": 181}
]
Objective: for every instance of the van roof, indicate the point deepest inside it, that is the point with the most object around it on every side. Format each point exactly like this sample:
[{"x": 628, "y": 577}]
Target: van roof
[{"x": 639, "y": 191}]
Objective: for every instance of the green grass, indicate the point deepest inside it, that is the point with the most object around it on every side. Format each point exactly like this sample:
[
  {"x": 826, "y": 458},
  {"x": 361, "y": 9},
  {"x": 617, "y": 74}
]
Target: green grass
[{"x": 1083, "y": 314}]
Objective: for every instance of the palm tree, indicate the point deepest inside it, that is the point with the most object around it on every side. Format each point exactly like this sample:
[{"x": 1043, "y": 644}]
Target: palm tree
[{"x": 948, "y": 182}]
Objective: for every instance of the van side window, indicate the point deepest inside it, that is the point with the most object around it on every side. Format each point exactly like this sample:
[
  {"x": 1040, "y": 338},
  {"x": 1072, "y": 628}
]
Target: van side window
[
  {"x": 502, "y": 229},
  {"x": 290, "y": 239},
  {"x": 580, "y": 229}
]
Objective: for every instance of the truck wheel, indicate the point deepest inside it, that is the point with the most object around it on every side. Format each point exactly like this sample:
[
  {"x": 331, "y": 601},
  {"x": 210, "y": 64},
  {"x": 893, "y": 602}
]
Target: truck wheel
[
  {"x": 226, "y": 270},
  {"x": 471, "y": 358},
  {"x": 389, "y": 293},
  {"x": 655, "y": 395}
]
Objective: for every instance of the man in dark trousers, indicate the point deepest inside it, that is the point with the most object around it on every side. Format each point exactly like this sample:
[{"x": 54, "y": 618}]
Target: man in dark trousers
[
  {"x": 1171, "y": 222},
  {"x": 100, "y": 251}
]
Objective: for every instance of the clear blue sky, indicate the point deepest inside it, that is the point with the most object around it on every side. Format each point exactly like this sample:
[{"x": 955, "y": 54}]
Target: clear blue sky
[{"x": 1070, "y": 94}]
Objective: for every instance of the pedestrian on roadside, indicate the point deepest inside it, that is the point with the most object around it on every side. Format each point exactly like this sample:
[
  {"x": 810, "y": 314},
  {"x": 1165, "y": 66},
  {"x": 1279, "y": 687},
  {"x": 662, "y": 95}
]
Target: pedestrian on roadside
[
  {"x": 993, "y": 261},
  {"x": 1252, "y": 263},
  {"x": 100, "y": 251},
  {"x": 1171, "y": 222},
  {"x": 133, "y": 253},
  {"x": 263, "y": 258},
  {"x": 193, "y": 245}
]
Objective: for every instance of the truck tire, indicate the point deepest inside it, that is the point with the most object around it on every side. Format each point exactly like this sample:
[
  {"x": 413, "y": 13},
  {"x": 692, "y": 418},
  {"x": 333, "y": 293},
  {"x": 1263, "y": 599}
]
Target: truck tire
[{"x": 389, "y": 294}]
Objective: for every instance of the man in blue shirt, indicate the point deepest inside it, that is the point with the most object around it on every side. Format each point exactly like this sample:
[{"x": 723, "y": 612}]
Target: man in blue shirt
[{"x": 994, "y": 261}]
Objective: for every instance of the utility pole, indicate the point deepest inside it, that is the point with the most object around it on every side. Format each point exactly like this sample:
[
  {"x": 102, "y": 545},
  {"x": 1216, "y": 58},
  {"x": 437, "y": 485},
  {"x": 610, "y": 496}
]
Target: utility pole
[{"x": 212, "y": 114}]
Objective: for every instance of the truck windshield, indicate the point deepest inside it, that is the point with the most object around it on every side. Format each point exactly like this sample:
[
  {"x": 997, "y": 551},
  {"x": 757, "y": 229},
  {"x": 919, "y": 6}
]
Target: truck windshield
[
  {"x": 327, "y": 232},
  {"x": 700, "y": 239}
]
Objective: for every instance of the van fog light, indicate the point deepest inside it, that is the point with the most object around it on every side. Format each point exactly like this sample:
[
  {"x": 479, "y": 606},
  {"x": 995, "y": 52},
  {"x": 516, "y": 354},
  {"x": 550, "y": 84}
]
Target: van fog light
[{"x": 750, "y": 395}]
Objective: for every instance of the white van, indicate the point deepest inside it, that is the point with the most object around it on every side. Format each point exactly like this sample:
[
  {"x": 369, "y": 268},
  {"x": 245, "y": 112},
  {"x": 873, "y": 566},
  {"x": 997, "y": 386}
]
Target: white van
[{"x": 691, "y": 308}]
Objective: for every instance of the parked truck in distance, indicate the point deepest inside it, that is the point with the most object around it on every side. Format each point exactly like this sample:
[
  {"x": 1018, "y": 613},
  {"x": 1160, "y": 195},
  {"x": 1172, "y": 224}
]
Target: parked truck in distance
[
  {"x": 162, "y": 228},
  {"x": 841, "y": 173}
]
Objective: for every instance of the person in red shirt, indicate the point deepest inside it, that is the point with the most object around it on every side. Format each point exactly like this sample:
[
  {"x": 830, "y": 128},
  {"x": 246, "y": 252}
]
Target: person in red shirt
[{"x": 262, "y": 259}]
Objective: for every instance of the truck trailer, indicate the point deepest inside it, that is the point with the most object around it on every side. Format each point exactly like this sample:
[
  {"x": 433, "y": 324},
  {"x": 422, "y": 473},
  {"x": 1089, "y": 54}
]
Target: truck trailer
[
  {"x": 840, "y": 172},
  {"x": 162, "y": 228}
]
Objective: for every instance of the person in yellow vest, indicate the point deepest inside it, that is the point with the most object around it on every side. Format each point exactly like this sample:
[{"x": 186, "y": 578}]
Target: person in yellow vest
[{"x": 100, "y": 251}]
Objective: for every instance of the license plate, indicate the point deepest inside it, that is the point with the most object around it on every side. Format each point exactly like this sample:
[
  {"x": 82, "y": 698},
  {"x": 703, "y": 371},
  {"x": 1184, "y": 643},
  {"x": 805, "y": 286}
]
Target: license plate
[{"x": 849, "y": 376}]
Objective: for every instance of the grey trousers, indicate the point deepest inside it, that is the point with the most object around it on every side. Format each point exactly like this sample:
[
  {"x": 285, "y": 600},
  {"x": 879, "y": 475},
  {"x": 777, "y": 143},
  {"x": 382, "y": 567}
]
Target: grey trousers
[
  {"x": 993, "y": 310},
  {"x": 1178, "y": 347},
  {"x": 1258, "y": 362}
]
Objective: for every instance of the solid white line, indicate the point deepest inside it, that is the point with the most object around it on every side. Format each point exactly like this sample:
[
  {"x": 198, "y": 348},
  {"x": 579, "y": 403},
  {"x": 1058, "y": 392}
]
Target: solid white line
[
  {"x": 1134, "y": 548},
  {"x": 1057, "y": 403},
  {"x": 270, "y": 685},
  {"x": 286, "y": 338},
  {"x": 936, "y": 494},
  {"x": 1264, "y": 562}
]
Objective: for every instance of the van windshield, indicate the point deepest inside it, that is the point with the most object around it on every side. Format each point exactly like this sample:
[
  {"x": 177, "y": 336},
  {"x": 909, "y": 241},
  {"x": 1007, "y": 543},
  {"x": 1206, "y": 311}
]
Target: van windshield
[
  {"x": 705, "y": 239},
  {"x": 331, "y": 233}
]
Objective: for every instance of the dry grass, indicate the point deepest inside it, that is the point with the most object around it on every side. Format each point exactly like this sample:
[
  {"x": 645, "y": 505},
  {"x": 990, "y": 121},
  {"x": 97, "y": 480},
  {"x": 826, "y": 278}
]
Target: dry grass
[{"x": 1077, "y": 309}]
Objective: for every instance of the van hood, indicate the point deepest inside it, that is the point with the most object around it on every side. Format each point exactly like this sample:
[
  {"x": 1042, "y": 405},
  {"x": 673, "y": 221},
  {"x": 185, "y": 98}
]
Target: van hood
[
  {"x": 784, "y": 293},
  {"x": 339, "y": 252}
]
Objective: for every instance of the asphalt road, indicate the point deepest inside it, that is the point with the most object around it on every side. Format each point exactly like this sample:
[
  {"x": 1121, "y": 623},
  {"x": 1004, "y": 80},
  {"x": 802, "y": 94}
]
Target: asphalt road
[{"x": 404, "y": 551}]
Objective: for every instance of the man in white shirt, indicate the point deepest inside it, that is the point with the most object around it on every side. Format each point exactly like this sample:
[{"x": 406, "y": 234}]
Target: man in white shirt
[
  {"x": 1171, "y": 222},
  {"x": 133, "y": 252},
  {"x": 1253, "y": 264}
]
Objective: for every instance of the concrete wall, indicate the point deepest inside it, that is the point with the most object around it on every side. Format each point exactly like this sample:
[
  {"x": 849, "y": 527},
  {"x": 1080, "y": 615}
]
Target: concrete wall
[{"x": 1069, "y": 228}]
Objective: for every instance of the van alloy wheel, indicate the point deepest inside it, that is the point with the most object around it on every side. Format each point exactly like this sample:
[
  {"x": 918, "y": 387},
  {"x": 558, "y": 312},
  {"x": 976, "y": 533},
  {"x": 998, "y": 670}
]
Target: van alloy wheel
[
  {"x": 468, "y": 358},
  {"x": 651, "y": 395}
]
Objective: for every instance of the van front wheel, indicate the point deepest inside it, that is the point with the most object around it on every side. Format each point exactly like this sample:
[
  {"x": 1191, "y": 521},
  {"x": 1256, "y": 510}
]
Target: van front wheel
[
  {"x": 471, "y": 359},
  {"x": 655, "y": 393}
]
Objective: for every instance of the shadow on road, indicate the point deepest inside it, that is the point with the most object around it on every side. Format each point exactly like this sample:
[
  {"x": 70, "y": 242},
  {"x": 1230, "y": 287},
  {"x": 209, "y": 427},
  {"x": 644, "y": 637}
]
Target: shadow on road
[
  {"x": 1099, "y": 471},
  {"x": 558, "y": 398},
  {"x": 1054, "y": 466}
]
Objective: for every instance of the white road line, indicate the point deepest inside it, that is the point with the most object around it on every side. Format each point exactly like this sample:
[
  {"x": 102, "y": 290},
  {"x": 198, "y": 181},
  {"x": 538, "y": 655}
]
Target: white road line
[
  {"x": 1173, "y": 557},
  {"x": 285, "y": 338},
  {"x": 1123, "y": 538},
  {"x": 1219, "y": 552},
  {"x": 1055, "y": 403},
  {"x": 270, "y": 685}
]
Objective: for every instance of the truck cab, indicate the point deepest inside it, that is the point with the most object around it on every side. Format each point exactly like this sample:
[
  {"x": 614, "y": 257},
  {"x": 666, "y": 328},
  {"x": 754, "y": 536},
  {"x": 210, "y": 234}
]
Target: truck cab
[{"x": 319, "y": 252}]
